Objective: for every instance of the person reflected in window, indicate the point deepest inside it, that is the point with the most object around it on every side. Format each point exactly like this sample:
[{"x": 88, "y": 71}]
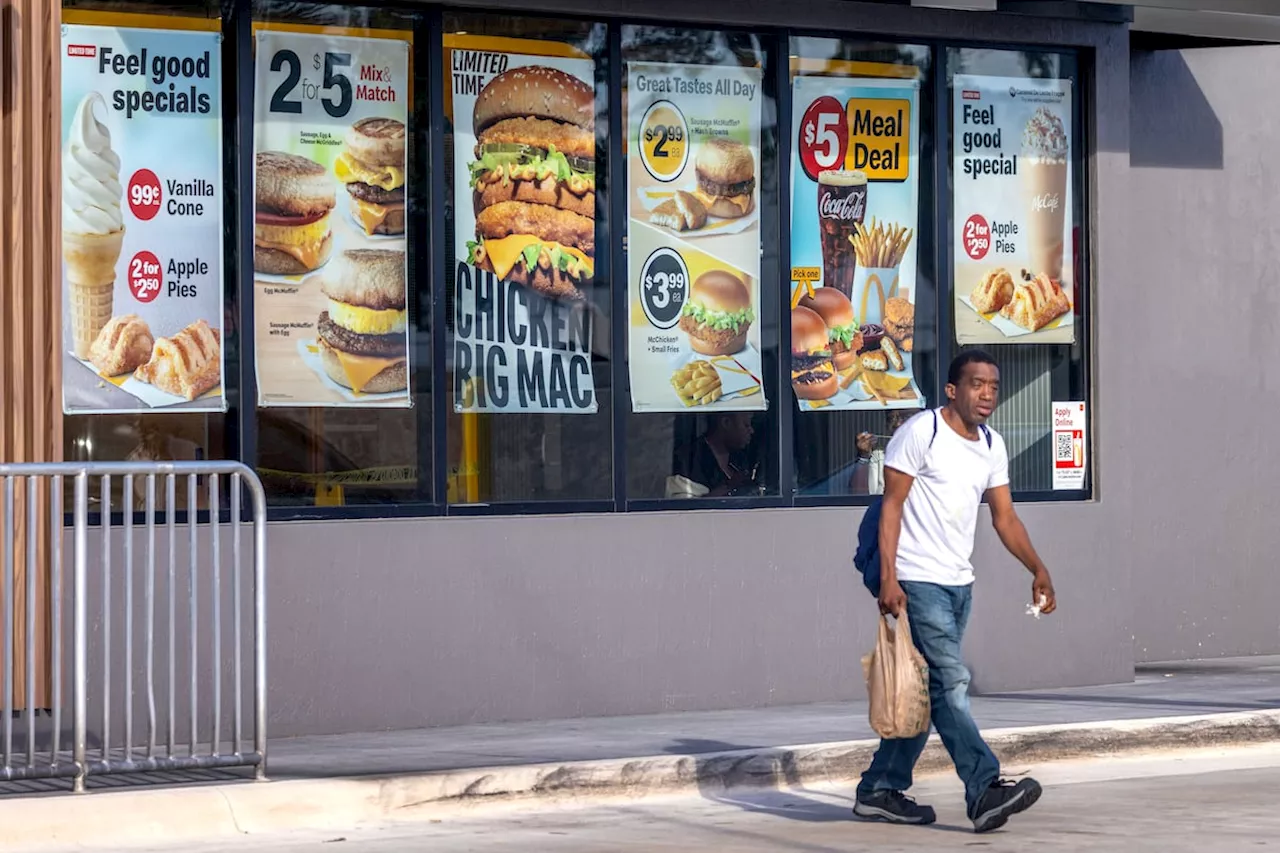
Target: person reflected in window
[
  {"x": 720, "y": 459},
  {"x": 860, "y": 481}
]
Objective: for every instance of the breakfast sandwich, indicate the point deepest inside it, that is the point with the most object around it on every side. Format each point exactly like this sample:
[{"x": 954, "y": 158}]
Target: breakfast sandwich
[
  {"x": 726, "y": 171},
  {"x": 294, "y": 198},
  {"x": 372, "y": 168},
  {"x": 363, "y": 336}
]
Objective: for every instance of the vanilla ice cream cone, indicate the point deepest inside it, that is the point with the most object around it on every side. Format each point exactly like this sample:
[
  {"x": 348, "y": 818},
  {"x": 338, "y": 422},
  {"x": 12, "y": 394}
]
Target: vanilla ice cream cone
[
  {"x": 92, "y": 222},
  {"x": 90, "y": 264}
]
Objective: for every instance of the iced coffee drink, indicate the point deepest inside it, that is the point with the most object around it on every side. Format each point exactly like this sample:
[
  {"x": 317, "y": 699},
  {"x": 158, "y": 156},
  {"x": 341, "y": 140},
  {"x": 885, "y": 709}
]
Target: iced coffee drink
[
  {"x": 1044, "y": 186},
  {"x": 842, "y": 205}
]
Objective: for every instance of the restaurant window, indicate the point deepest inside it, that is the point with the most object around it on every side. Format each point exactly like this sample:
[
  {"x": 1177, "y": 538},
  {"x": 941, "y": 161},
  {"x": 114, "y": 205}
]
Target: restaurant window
[
  {"x": 341, "y": 226},
  {"x": 864, "y": 292},
  {"x": 122, "y": 228},
  {"x": 702, "y": 194},
  {"x": 527, "y": 283},
  {"x": 1016, "y": 229},
  {"x": 303, "y": 253}
]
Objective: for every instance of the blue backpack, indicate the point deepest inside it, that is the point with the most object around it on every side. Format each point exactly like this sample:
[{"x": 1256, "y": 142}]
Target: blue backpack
[{"x": 867, "y": 558}]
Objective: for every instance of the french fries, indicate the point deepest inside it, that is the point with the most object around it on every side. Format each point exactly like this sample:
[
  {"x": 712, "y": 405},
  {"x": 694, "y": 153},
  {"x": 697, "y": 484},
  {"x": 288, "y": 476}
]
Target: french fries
[
  {"x": 880, "y": 246},
  {"x": 697, "y": 383}
]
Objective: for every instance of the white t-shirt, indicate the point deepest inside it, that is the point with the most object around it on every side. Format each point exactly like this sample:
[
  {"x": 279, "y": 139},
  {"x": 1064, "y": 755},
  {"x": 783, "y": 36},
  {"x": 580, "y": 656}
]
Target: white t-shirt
[{"x": 941, "y": 512}]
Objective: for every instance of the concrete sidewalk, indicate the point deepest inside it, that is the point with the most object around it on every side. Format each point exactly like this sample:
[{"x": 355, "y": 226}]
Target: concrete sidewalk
[
  {"x": 1160, "y": 690},
  {"x": 342, "y": 782}
]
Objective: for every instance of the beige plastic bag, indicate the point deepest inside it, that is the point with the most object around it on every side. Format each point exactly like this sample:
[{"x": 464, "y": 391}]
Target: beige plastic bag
[{"x": 897, "y": 683}]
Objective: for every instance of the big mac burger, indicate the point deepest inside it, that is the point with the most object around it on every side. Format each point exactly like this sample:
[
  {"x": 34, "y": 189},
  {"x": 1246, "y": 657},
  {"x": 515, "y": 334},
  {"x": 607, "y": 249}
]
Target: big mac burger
[
  {"x": 294, "y": 197},
  {"x": 813, "y": 376},
  {"x": 363, "y": 335},
  {"x": 717, "y": 313},
  {"x": 372, "y": 169},
  {"x": 842, "y": 331},
  {"x": 533, "y": 180},
  {"x": 726, "y": 177}
]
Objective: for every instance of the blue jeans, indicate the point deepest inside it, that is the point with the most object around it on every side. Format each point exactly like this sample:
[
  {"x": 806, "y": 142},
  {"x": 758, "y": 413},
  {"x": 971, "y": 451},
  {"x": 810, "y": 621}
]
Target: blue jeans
[{"x": 938, "y": 615}]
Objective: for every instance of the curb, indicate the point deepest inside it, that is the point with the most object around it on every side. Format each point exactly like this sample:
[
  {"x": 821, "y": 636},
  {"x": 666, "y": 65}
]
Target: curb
[{"x": 112, "y": 819}]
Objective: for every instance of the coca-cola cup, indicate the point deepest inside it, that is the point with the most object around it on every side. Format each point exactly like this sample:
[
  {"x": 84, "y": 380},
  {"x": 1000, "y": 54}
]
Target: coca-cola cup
[{"x": 842, "y": 205}]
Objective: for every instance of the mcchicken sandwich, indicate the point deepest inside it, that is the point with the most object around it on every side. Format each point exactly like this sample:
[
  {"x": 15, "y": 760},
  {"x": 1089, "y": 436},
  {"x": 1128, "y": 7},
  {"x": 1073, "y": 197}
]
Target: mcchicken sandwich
[
  {"x": 836, "y": 312},
  {"x": 294, "y": 197},
  {"x": 813, "y": 376},
  {"x": 717, "y": 314},
  {"x": 363, "y": 343},
  {"x": 372, "y": 168},
  {"x": 533, "y": 181},
  {"x": 726, "y": 177}
]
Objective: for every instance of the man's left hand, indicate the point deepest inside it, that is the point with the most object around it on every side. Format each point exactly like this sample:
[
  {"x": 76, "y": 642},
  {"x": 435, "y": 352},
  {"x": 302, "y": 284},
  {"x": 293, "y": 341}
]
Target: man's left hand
[{"x": 1042, "y": 587}]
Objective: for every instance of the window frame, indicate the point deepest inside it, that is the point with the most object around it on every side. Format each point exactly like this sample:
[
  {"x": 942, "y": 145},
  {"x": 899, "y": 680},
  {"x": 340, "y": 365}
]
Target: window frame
[{"x": 432, "y": 256}]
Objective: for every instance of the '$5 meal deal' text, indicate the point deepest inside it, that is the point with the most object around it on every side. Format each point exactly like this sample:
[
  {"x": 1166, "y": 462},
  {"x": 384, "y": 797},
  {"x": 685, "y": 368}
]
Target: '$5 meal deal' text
[{"x": 869, "y": 135}]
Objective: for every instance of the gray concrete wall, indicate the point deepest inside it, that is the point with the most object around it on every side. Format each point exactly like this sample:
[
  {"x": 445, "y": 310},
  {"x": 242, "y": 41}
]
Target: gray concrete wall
[
  {"x": 418, "y": 623},
  {"x": 386, "y": 624},
  {"x": 1205, "y": 236}
]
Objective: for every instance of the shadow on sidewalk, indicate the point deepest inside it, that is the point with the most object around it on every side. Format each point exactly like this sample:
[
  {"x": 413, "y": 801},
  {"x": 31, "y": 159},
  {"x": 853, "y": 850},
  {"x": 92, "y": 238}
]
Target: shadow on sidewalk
[{"x": 722, "y": 779}]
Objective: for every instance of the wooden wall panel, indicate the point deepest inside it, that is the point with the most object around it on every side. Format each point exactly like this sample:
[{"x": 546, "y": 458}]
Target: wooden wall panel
[{"x": 30, "y": 277}]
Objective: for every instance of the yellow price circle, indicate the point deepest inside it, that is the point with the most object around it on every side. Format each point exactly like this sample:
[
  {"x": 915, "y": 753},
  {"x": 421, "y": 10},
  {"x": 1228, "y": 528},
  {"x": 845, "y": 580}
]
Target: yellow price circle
[{"x": 664, "y": 141}]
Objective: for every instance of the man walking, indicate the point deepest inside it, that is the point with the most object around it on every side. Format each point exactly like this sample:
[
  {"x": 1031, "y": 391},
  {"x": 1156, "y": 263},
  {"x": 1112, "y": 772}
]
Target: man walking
[{"x": 937, "y": 469}]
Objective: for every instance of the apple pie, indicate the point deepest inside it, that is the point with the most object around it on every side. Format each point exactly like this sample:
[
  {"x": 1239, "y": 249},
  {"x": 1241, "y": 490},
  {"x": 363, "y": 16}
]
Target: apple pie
[
  {"x": 1036, "y": 304},
  {"x": 123, "y": 345},
  {"x": 994, "y": 292},
  {"x": 186, "y": 365}
]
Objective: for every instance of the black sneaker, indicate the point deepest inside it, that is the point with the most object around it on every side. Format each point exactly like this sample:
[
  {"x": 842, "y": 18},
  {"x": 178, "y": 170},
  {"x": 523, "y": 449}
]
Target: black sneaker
[
  {"x": 893, "y": 807},
  {"x": 1003, "y": 800}
]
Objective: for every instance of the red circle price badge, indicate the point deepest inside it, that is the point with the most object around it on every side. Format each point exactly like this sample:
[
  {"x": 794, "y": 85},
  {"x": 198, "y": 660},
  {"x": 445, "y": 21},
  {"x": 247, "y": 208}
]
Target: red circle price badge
[
  {"x": 144, "y": 277},
  {"x": 144, "y": 194},
  {"x": 823, "y": 137},
  {"x": 976, "y": 237}
]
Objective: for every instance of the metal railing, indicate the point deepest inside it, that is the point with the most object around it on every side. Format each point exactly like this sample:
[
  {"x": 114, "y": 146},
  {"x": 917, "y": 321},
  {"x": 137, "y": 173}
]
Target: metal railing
[{"x": 163, "y": 653}]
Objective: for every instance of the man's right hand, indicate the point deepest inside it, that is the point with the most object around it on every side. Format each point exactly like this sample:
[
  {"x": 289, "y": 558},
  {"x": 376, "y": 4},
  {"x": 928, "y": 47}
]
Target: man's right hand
[{"x": 893, "y": 599}]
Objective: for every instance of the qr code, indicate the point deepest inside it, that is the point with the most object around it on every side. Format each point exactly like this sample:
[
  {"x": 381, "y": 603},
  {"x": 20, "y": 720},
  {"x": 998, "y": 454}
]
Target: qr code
[{"x": 1065, "y": 446}]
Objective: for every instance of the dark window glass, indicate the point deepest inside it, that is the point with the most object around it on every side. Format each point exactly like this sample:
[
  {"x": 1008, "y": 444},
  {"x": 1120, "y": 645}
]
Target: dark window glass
[
  {"x": 519, "y": 425},
  {"x": 723, "y": 452},
  {"x": 1033, "y": 376},
  {"x": 345, "y": 452},
  {"x": 840, "y": 453},
  {"x": 158, "y": 435}
]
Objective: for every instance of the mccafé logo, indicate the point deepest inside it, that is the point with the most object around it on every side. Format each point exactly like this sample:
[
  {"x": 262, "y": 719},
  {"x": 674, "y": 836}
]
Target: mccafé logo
[
  {"x": 1048, "y": 201},
  {"x": 851, "y": 206}
]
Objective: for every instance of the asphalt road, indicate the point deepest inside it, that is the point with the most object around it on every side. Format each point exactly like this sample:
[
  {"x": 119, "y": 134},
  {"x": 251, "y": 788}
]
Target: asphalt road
[{"x": 1203, "y": 801}]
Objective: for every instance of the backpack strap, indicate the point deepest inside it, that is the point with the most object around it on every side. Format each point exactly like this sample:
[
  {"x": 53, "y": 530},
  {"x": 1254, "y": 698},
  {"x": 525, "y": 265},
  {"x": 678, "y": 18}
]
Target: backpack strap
[{"x": 986, "y": 432}]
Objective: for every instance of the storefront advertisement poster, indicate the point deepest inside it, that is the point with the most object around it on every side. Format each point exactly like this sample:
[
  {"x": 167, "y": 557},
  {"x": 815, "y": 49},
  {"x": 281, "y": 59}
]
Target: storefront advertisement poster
[
  {"x": 1070, "y": 445},
  {"x": 1012, "y": 221},
  {"x": 524, "y": 205},
  {"x": 330, "y": 297},
  {"x": 142, "y": 261},
  {"x": 693, "y": 174},
  {"x": 854, "y": 218}
]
